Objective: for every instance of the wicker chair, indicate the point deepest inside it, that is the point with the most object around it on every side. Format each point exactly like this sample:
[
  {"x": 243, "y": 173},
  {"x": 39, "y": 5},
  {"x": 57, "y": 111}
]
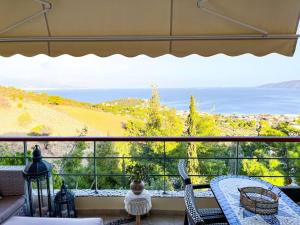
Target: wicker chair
[
  {"x": 208, "y": 215},
  {"x": 193, "y": 214},
  {"x": 292, "y": 192}
]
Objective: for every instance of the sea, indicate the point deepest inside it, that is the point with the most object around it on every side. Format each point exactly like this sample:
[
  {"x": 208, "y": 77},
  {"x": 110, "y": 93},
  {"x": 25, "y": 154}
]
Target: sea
[{"x": 243, "y": 101}]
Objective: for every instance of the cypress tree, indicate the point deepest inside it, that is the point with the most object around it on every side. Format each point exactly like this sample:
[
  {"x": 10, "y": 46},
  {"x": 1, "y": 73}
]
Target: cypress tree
[
  {"x": 193, "y": 165},
  {"x": 155, "y": 117}
]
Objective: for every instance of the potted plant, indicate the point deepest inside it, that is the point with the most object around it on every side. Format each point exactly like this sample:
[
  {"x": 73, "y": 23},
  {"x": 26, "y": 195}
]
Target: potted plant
[{"x": 139, "y": 173}]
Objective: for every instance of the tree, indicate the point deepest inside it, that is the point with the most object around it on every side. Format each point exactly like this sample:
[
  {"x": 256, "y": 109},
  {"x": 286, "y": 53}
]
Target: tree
[
  {"x": 293, "y": 164},
  {"x": 271, "y": 168},
  {"x": 154, "y": 122},
  {"x": 106, "y": 165},
  {"x": 157, "y": 121},
  {"x": 259, "y": 150},
  {"x": 72, "y": 164},
  {"x": 55, "y": 100},
  {"x": 193, "y": 165},
  {"x": 206, "y": 126},
  {"x": 265, "y": 129}
]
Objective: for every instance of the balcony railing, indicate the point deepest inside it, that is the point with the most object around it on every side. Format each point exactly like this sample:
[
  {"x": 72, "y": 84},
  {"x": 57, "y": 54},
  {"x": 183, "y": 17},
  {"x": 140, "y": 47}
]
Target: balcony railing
[{"x": 231, "y": 151}]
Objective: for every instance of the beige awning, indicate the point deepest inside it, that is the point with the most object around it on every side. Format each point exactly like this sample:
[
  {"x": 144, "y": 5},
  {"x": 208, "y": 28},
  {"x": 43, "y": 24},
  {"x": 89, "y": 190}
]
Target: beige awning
[{"x": 150, "y": 27}]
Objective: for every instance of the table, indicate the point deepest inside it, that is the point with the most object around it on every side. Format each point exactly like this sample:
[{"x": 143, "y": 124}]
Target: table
[
  {"x": 138, "y": 205},
  {"x": 225, "y": 189}
]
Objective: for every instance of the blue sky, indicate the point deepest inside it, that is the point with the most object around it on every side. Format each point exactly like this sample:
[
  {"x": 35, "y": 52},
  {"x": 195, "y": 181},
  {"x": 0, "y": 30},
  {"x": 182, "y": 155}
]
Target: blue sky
[{"x": 117, "y": 71}]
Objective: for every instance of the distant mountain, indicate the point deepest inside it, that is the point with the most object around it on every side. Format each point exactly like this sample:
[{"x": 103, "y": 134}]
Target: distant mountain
[{"x": 286, "y": 84}]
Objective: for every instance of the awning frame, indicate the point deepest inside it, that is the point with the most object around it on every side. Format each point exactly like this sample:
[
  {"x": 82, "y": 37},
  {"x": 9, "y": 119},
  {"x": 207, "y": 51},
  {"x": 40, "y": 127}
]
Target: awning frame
[
  {"x": 149, "y": 38},
  {"x": 200, "y": 4},
  {"x": 46, "y": 7}
]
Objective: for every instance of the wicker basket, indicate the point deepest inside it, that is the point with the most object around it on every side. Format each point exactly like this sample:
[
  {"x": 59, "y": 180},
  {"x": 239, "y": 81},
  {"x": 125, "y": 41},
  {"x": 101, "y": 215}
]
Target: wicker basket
[{"x": 259, "y": 200}]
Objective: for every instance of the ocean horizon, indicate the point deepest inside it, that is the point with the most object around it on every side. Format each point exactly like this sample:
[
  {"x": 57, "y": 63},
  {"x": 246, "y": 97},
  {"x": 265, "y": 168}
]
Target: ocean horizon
[{"x": 223, "y": 100}]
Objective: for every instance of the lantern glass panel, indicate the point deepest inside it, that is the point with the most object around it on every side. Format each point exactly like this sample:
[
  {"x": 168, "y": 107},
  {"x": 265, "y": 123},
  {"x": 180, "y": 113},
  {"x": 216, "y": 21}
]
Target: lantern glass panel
[
  {"x": 42, "y": 190},
  {"x": 66, "y": 210},
  {"x": 64, "y": 203}
]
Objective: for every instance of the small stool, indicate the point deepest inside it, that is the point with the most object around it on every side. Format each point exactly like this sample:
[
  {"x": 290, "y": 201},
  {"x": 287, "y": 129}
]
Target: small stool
[{"x": 138, "y": 205}]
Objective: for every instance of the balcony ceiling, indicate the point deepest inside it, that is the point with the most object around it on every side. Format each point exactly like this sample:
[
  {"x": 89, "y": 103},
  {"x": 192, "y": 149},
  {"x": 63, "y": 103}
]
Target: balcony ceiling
[{"x": 150, "y": 27}]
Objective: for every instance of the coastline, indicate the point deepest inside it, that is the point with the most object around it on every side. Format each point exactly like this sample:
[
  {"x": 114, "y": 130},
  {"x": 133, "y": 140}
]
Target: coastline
[{"x": 224, "y": 101}]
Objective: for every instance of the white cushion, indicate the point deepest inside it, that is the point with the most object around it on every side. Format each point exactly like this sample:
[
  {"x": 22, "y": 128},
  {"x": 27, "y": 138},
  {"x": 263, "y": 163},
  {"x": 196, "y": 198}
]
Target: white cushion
[{"x": 17, "y": 220}]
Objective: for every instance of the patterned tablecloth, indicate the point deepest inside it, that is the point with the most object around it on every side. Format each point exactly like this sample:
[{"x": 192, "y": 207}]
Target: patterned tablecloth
[{"x": 225, "y": 189}]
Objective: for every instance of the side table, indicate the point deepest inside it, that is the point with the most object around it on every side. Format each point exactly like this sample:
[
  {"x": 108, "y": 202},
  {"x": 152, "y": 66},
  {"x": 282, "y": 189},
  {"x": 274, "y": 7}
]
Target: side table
[{"x": 138, "y": 205}]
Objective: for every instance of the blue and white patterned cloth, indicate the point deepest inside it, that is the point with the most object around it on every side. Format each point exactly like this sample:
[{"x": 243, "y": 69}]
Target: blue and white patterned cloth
[{"x": 225, "y": 189}]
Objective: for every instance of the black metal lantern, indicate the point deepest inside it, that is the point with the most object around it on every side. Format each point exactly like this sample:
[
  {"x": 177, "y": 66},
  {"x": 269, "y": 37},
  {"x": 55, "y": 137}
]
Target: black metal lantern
[
  {"x": 64, "y": 203},
  {"x": 39, "y": 185}
]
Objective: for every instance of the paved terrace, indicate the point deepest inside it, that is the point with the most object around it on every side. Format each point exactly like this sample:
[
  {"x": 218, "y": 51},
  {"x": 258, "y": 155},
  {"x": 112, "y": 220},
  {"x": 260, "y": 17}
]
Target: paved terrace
[{"x": 153, "y": 220}]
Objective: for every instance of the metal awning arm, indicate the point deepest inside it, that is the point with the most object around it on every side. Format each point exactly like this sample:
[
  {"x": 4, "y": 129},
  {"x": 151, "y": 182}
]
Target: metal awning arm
[
  {"x": 46, "y": 8},
  {"x": 200, "y": 4}
]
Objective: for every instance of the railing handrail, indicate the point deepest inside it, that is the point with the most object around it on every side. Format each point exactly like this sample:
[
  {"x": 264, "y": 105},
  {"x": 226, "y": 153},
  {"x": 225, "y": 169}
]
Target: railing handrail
[{"x": 152, "y": 138}]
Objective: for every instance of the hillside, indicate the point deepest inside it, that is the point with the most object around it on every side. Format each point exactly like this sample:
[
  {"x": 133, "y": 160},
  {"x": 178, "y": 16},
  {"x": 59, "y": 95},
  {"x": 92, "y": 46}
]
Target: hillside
[
  {"x": 286, "y": 84},
  {"x": 22, "y": 113}
]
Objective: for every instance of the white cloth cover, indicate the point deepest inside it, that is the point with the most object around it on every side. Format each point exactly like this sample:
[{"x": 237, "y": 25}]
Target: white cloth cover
[
  {"x": 138, "y": 204},
  {"x": 16, "y": 220}
]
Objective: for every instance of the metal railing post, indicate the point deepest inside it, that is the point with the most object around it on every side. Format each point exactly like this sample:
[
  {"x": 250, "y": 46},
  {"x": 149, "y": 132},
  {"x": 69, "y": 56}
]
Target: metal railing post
[
  {"x": 25, "y": 152},
  {"x": 287, "y": 164},
  {"x": 95, "y": 169},
  {"x": 123, "y": 173},
  {"x": 236, "y": 171},
  {"x": 164, "y": 192}
]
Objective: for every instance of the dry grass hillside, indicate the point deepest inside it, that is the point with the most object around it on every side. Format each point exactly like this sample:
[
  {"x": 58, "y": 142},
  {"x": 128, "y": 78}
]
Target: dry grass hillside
[
  {"x": 22, "y": 116},
  {"x": 104, "y": 122}
]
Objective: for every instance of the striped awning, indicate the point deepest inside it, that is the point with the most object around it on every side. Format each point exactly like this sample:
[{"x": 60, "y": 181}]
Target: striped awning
[{"x": 150, "y": 27}]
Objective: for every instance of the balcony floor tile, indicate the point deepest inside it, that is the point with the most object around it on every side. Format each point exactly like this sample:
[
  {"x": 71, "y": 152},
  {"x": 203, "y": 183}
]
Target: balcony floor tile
[{"x": 154, "y": 220}]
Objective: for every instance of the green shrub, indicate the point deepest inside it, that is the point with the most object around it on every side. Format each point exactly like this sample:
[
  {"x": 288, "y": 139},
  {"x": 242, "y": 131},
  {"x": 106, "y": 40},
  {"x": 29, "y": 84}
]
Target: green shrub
[
  {"x": 20, "y": 105},
  {"x": 40, "y": 130},
  {"x": 55, "y": 100},
  {"x": 138, "y": 172}
]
